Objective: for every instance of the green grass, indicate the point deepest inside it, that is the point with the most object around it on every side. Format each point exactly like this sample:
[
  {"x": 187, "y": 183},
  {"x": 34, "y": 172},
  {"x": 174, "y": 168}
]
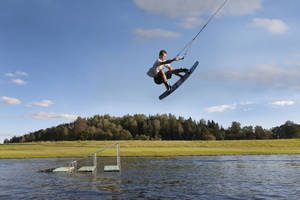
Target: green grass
[{"x": 150, "y": 148}]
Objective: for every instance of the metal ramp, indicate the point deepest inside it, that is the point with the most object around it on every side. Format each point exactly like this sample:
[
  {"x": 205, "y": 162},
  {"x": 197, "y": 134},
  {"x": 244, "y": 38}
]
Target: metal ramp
[
  {"x": 64, "y": 169},
  {"x": 114, "y": 168},
  {"x": 111, "y": 168},
  {"x": 68, "y": 169},
  {"x": 87, "y": 169},
  {"x": 93, "y": 168},
  {"x": 90, "y": 168}
]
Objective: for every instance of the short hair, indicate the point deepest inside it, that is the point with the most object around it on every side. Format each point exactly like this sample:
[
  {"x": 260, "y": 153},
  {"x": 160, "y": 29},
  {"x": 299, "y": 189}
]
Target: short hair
[{"x": 162, "y": 52}]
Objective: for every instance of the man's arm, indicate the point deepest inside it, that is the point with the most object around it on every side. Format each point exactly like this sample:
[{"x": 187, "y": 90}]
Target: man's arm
[{"x": 169, "y": 61}]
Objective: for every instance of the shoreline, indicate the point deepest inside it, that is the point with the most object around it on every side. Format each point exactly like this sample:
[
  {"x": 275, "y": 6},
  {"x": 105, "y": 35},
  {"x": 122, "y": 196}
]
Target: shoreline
[{"x": 141, "y": 148}]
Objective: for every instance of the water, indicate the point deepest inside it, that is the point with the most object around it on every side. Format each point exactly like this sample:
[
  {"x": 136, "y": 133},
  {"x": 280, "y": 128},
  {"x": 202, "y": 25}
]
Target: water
[{"x": 197, "y": 177}]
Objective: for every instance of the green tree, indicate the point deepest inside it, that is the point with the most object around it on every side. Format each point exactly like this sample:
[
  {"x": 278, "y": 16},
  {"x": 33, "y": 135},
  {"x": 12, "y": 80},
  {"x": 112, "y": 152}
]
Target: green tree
[
  {"x": 91, "y": 133},
  {"x": 156, "y": 128},
  {"x": 173, "y": 134},
  {"x": 80, "y": 127},
  {"x": 65, "y": 135},
  {"x": 198, "y": 132},
  {"x": 248, "y": 132},
  {"x": 234, "y": 132},
  {"x": 290, "y": 130},
  {"x": 142, "y": 137},
  {"x": 189, "y": 127},
  {"x": 124, "y": 135},
  {"x": 259, "y": 132},
  {"x": 206, "y": 135}
]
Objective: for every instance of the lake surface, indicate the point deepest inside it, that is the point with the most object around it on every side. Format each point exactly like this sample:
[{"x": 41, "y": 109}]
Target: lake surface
[{"x": 197, "y": 177}]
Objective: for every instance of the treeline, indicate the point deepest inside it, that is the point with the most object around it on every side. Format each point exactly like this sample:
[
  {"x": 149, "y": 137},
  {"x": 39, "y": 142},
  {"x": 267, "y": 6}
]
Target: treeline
[{"x": 157, "y": 127}]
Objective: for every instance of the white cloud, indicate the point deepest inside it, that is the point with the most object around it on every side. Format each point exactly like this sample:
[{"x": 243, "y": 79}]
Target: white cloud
[
  {"x": 184, "y": 8},
  {"x": 274, "y": 26},
  {"x": 191, "y": 22},
  {"x": 19, "y": 81},
  {"x": 10, "y": 100},
  {"x": 247, "y": 103},
  {"x": 53, "y": 115},
  {"x": 221, "y": 108},
  {"x": 293, "y": 63},
  {"x": 10, "y": 74},
  {"x": 44, "y": 103},
  {"x": 247, "y": 109},
  {"x": 264, "y": 74},
  {"x": 18, "y": 73},
  {"x": 242, "y": 7},
  {"x": 143, "y": 34},
  {"x": 283, "y": 103}
]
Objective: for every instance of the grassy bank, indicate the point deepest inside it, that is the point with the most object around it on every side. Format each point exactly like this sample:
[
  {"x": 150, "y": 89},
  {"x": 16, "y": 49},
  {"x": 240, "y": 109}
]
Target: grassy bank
[{"x": 150, "y": 148}]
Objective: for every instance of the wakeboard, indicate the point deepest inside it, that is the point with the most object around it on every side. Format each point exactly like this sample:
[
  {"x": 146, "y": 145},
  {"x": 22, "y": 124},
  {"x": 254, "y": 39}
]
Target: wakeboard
[{"x": 179, "y": 82}]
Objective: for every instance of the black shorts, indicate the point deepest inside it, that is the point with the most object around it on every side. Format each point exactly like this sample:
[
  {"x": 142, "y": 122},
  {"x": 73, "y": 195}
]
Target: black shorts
[{"x": 159, "y": 79}]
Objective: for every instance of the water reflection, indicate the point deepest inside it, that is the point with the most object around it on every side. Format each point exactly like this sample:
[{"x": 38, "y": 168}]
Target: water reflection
[{"x": 198, "y": 177}]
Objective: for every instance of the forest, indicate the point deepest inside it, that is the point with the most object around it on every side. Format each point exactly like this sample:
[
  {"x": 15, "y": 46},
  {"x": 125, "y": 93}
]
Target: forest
[{"x": 154, "y": 127}]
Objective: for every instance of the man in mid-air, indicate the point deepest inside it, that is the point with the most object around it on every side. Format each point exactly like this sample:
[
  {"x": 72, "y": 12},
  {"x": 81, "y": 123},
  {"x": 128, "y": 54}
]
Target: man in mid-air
[{"x": 158, "y": 73}]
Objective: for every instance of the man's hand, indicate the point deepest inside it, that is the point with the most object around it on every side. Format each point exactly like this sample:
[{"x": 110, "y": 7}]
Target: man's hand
[
  {"x": 177, "y": 59},
  {"x": 169, "y": 61}
]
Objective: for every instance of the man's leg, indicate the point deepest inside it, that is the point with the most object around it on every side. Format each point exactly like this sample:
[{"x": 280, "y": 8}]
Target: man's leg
[
  {"x": 177, "y": 71},
  {"x": 165, "y": 79}
]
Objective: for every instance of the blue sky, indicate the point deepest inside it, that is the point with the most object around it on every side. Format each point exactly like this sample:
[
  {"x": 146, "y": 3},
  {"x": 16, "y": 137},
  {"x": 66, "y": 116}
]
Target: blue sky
[{"x": 60, "y": 59}]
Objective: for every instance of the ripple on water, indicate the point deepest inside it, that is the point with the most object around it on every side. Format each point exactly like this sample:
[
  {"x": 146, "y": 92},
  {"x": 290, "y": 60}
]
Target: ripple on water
[{"x": 205, "y": 177}]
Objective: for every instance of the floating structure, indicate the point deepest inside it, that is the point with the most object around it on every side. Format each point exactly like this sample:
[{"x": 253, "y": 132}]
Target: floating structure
[
  {"x": 69, "y": 169},
  {"x": 73, "y": 166}
]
